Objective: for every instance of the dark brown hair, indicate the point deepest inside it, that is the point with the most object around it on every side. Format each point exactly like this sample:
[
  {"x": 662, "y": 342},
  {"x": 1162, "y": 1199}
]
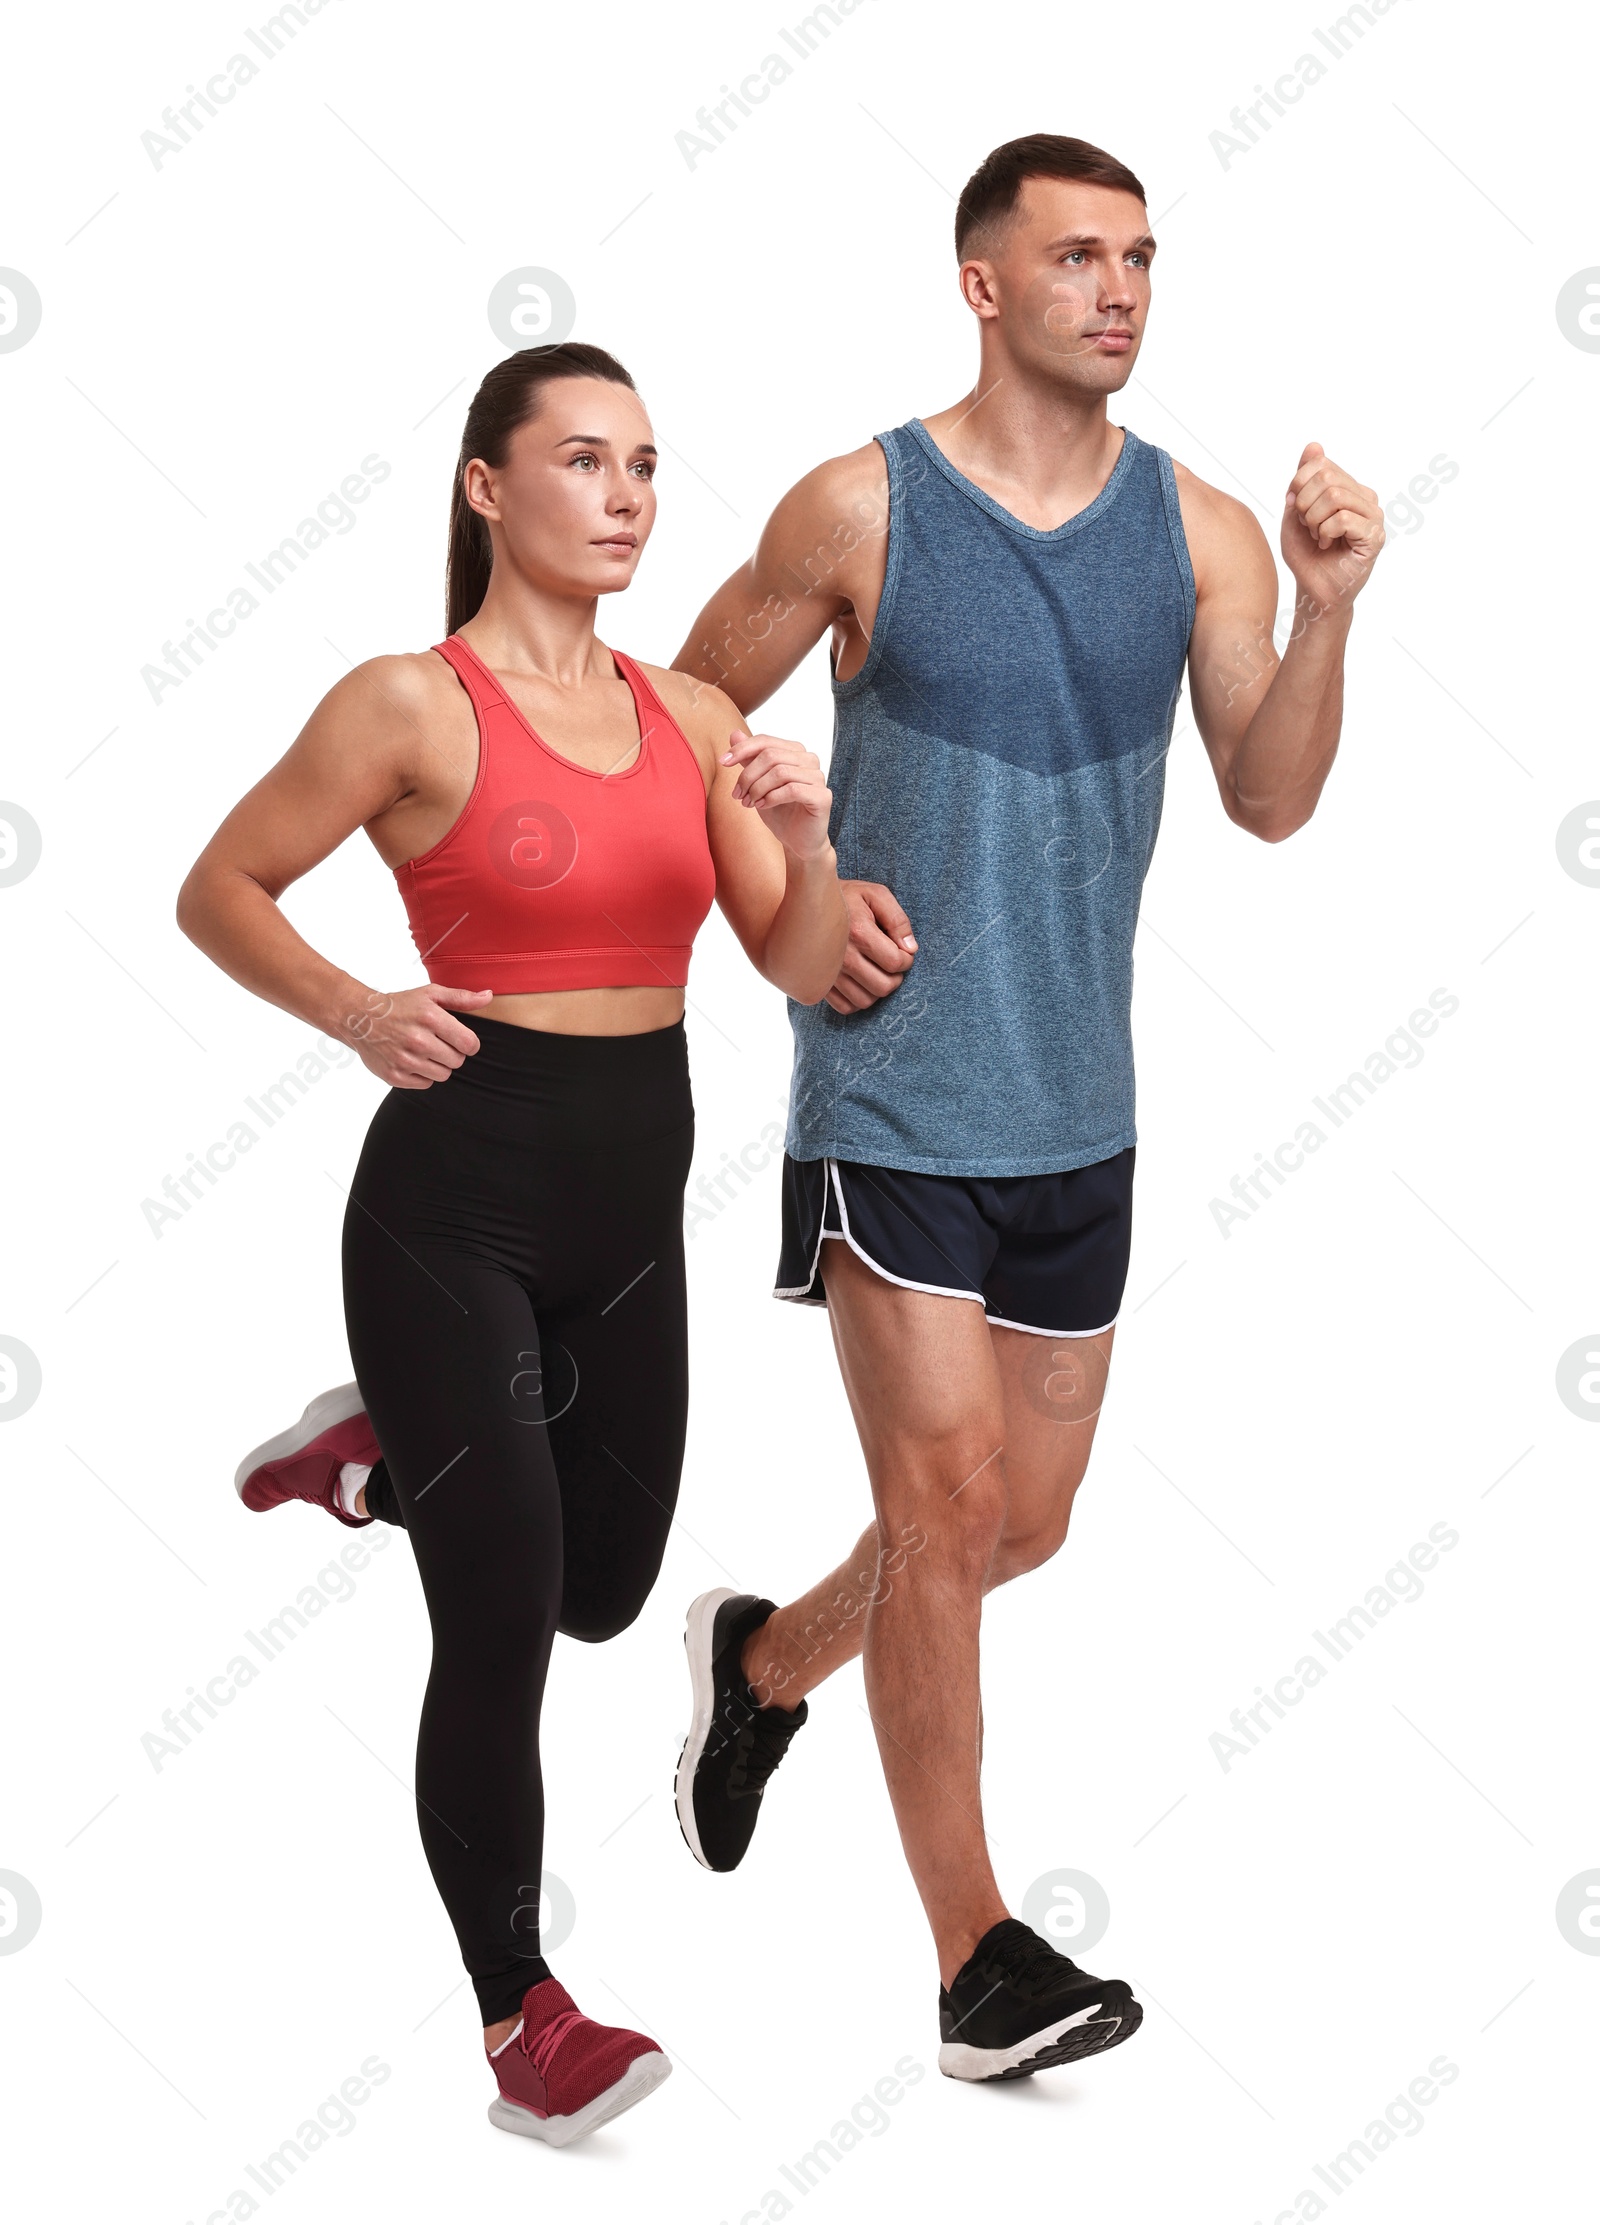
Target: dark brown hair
[
  {"x": 994, "y": 188},
  {"x": 509, "y": 396}
]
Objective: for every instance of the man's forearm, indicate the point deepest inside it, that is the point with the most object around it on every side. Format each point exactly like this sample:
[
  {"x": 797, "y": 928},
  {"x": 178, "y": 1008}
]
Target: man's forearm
[{"x": 1288, "y": 748}]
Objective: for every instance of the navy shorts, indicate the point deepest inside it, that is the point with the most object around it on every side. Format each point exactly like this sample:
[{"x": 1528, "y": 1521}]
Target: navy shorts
[{"x": 1043, "y": 1252}]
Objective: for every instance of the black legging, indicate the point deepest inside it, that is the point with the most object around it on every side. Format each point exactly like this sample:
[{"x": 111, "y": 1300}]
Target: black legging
[{"x": 514, "y": 1299}]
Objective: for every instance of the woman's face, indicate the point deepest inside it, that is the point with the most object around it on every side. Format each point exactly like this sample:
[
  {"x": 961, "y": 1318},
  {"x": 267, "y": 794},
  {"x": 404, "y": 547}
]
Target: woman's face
[{"x": 571, "y": 507}]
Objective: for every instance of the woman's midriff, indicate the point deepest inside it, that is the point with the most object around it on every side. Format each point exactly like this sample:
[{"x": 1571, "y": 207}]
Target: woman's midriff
[{"x": 630, "y": 1011}]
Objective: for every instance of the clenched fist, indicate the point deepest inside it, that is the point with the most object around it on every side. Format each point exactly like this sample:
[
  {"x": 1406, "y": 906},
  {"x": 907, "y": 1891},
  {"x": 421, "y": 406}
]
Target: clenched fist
[
  {"x": 880, "y": 949},
  {"x": 1332, "y": 528}
]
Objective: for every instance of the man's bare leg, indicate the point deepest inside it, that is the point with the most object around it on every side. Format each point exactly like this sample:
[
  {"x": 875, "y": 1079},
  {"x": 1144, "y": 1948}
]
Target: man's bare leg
[
  {"x": 794, "y": 1649},
  {"x": 975, "y": 1441},
  {"x": 1053, "y": 1388}
]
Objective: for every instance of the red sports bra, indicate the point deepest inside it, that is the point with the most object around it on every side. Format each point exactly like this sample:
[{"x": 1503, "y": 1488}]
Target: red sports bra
[{"x": 555, "y": 877}]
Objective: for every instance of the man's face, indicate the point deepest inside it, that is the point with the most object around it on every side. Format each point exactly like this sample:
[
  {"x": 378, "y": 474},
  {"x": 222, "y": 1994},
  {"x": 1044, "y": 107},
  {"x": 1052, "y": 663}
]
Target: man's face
[{"x": 1067, "y": 278}]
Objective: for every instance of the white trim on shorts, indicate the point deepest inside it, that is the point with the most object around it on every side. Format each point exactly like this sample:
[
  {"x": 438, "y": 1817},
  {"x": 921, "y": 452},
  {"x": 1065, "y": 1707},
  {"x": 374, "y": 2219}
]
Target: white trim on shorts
[
  {"x": 1027, "y": 1328},
  {"x": 927, "y": 1289},
  {"x": 802, "y": 1295}
]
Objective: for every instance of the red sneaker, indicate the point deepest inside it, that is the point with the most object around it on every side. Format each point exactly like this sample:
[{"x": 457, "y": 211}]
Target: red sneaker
[
  {"x": 303, "y": 1462},
  {"x": 561, "y": 2074}
]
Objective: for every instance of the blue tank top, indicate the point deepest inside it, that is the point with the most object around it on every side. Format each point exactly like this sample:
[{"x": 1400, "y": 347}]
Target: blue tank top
[{"x": 998, "y": 762}]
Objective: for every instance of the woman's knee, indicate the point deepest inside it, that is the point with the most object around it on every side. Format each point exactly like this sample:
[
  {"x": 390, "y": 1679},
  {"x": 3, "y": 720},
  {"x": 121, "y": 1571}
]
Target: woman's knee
[
  {"x": 593, "y": 1617},
  {"x": 498, "y": 1602}
]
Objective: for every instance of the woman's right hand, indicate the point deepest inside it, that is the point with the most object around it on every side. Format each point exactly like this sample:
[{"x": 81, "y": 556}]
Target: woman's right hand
[{"x": 413, "y": 1039}]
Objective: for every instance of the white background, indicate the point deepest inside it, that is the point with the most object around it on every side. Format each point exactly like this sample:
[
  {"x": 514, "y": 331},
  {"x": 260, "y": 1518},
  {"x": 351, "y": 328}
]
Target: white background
[{"x": 224, "y": 1941}]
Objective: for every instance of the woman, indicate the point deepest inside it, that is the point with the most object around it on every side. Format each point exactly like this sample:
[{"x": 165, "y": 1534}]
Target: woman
[{"x": 559, "y": 819}]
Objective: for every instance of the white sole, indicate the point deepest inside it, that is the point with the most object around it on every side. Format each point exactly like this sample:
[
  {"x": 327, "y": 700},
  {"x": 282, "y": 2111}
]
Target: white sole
[
  {"x": 697, "y": 1646},
  {"x": 642, "y": 2076},
  {"x": 957, "y": 2060},
  {"x": 333, "y": 1406}
]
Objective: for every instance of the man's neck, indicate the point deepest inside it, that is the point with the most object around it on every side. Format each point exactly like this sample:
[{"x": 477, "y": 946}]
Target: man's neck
[{"x": 1040, "y": 450}]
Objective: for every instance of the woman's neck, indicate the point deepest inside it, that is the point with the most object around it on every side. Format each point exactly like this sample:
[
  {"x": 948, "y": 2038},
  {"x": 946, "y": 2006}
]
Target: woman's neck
[{"x": 525, "y": 630}]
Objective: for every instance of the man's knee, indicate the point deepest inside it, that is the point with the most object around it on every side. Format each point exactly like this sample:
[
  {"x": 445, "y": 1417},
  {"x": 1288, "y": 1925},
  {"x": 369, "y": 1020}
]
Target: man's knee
[
  {"x": 1023, "y": 1549},
  {"x": 1021, "y": 1555},
  {"x": 952, "y": 1505}
]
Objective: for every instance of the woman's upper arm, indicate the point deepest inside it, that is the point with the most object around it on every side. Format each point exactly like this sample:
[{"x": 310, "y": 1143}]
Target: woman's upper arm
[
  {"x": 353, "y": 759},
  {"x": 749, "y": 861}
]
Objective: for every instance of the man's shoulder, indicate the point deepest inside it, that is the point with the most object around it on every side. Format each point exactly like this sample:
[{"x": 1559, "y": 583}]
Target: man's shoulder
[
  {"x": 832, "y": 490},
  {"x": 1222, "y": 532},
  {"x": 1207, "y": 508}
]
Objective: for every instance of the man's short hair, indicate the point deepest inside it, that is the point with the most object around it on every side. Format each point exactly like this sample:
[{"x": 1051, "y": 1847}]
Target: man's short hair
[{"x": 992, "y": 192}]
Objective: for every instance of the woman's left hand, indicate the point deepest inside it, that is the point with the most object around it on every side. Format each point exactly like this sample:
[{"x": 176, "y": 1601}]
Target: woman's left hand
[{"x": 783, "y": 781}]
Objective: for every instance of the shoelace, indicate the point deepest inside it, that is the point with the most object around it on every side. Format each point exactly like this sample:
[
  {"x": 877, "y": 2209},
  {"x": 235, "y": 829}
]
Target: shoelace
[
  {"x": 762, "y": 1745},
  {"x": 542, "y": 2047},
  {"x": 1027, "y": 1965}
]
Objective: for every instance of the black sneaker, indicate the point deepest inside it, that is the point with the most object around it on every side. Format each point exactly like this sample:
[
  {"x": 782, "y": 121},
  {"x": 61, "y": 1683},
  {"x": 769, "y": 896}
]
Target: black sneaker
[
  {"x": 733, "y": 1745},
  {"x": 1016, "y": 2006}
]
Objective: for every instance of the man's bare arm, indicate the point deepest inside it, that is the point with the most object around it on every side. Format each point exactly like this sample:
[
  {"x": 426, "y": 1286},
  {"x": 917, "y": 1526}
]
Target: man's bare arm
[
  {"x": 1271, "y": 726},
  {"x": 818, "y": 565}
]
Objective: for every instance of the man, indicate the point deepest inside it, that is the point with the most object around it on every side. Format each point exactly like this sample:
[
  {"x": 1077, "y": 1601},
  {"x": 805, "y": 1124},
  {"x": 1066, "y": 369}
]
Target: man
[{"x": 1012, "y": 588}]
